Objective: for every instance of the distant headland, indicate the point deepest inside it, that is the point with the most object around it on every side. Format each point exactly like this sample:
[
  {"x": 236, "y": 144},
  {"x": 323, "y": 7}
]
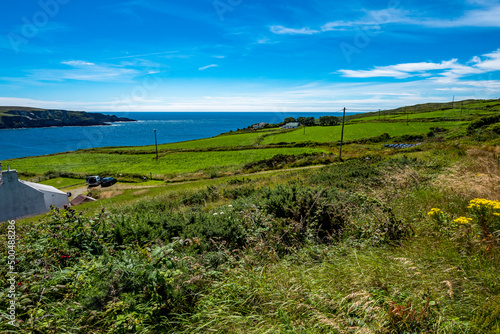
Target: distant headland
[{"x": 26, "y": 117}]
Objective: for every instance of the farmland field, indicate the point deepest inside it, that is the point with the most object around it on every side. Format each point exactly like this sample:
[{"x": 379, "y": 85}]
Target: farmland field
[
  {"x": 61, "y": 182},
  {"x": 181, "y": 162},
  {"x": 356, "y": 131},
  {"x": 226, "y": 140}
]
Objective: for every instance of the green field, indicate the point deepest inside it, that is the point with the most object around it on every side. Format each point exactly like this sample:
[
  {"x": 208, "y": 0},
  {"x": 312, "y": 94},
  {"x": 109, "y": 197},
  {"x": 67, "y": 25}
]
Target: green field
[
  {"x": 226, "y": 140},
  {"x": 356, "y": 131},
  {"x": 383, "y": 241},
  {"x": 182, "y": 162},
  {"x": 450, "y": 113},
  {"x": 62, "y": 182}
]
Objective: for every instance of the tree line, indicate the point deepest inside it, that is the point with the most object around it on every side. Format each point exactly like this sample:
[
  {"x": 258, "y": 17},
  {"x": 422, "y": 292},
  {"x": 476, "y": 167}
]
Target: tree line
[{"x": 311, "y": 121}]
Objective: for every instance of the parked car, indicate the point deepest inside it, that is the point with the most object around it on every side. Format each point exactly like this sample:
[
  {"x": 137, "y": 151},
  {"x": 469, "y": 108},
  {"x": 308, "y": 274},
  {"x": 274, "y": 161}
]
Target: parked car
[
  {"x": 108, "y": 181},
  {"x": 93, "y": 181}
]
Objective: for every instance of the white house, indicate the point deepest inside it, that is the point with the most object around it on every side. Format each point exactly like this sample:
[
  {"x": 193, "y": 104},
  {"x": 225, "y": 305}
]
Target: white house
[
  {"x": 22, "y": 199},
  {"x": 291, "y": 125}
]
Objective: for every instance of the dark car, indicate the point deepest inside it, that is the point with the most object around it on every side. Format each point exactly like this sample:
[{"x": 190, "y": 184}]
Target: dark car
[
  {"x": 93, "y": 181},
  {"x": 108, "y": 181}
]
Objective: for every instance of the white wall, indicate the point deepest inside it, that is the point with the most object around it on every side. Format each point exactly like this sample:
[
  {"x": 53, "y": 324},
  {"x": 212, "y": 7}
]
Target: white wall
[
  {"x": 19, "y": 200},
  {"x": 57, "y": 200}
]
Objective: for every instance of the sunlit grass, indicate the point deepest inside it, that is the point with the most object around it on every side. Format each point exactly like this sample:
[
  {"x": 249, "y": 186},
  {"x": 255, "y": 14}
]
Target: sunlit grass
[
  {"x": 144, "y": 164},
  {"x": 357, "y": 131}
]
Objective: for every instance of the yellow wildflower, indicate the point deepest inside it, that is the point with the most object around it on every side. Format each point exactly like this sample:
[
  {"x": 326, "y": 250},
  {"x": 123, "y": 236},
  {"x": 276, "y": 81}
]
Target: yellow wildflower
[
  {"x": 463, "y": 220},
  {"x": 478, "y": 203},
  {"x": 434, "y": 212}
]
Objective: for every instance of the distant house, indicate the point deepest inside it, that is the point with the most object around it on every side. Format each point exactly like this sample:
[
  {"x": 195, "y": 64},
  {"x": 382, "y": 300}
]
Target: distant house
[
  {"x": 291, "y": 125},
  {"x": 258, "y": 125},
  {"x": 22, "y": 199}
]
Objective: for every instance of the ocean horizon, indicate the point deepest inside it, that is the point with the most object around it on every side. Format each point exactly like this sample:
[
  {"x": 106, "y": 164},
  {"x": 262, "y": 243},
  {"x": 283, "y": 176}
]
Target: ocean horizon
[{"x": 170, "y": 127}]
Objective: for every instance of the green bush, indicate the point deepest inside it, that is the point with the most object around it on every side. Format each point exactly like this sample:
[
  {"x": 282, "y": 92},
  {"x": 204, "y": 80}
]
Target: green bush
[
  {"x": 350, "y": 175},
  {"x": 481, "y": 122},
  {"x": 487, "y": 318}
]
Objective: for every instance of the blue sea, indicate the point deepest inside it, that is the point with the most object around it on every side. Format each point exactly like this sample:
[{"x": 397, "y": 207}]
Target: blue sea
[{"x": 170, "y": 127}]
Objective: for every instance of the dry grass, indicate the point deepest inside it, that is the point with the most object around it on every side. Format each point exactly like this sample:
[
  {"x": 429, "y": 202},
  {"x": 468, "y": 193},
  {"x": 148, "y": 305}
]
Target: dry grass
[
  {"x": 141, "y": 192},
  {"x": 110, "y": 194},
  {"x": 475, "y": 176}
]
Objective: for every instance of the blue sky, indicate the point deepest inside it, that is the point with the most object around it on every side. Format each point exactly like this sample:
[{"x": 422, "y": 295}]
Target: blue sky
[{"x": 247, "y": 55}]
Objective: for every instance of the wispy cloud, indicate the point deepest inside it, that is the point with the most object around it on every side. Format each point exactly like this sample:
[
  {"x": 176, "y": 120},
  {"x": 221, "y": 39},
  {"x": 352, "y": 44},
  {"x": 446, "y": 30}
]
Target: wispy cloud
[
  {"x": 84, "y": 71},
  {"x": 77, "y": 63},
  {"x": 486, "y": 16},
  {"x": 281, "y": 30},
  {"x": 146, "y": 55},
  {"x": 449, "y": 70},
  {"x": 372, "y": 19},
  {"x": 208, "y": 66},
  {"x": 400, "y": 71}
]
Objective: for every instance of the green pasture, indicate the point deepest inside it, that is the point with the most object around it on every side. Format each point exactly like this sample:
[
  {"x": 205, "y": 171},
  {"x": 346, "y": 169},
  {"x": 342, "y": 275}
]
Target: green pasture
[
  {"x": 63, "y": 182},
  {"x": 225, "y": 140},
  {"x": 356, "y": 131},
  {"x": 450, "y": 113},
  {"x": 143, "y": 164}
]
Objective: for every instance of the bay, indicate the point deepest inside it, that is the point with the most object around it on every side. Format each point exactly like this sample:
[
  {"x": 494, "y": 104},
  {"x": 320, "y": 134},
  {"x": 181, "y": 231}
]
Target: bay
[{"x": 170, "y": 127}]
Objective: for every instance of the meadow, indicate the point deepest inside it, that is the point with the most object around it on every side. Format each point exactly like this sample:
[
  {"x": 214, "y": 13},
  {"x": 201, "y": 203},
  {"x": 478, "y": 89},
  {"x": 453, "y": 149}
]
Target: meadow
[
  {"x": 225, "y": 140},
  {"x": 357, "y": 131},
  {"x": 386, "y": 241},
  {"x": 144, "y": 164}
]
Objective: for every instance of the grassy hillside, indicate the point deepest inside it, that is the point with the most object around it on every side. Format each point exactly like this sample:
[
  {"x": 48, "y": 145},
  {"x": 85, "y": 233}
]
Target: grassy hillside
[
  {"x": 358, "y": 131},
  {"x": 388, "y": 241},
  {"x": 21, "y": 117},
  {"x": 181, "y": 162}
]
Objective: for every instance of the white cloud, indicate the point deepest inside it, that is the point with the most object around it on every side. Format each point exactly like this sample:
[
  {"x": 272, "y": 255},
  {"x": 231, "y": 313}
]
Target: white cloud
[
  {"x": 96, "y": 73},
  {"x": 281, "y": 30},
  {"x": 445, "y": 71},
  {"x": 490, "y": 64},
  {"x": 208, "y": 66},
  {"x": 77, "y": 63},
  {"x": 401, "y": 71},
  {"x": 373, "y": 20},
  {"x": 486, "y": 16}
]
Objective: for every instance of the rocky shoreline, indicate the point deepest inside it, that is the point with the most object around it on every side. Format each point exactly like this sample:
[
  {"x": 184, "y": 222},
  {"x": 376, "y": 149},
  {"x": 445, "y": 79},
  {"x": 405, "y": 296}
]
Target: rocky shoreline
[{"x": 18, "y": 117}]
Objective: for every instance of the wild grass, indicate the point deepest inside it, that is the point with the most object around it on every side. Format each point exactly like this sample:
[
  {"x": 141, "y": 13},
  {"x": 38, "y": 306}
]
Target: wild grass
[
  {"x": 356, "y": 131},
  {"x": 61, "y": 182},
  {"x": 144, "y": 164},
  {"x": 346, "y": 248},
  {"x": 226, "y": 140}
]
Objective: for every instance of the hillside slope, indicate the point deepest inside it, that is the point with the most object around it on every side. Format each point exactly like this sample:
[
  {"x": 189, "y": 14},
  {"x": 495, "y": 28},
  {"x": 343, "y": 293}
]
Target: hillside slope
[{"x": 21, "y": 117}]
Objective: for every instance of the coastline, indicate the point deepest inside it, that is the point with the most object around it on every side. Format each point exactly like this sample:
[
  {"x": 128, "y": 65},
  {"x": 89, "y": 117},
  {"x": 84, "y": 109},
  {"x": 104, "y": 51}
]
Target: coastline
[{"x": 171, "y": 128}]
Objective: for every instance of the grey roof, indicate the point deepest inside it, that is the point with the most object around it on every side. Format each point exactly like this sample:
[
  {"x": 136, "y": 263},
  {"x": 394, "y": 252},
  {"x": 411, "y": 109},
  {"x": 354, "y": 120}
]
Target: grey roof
[
  {"x": 42, "y": 187},
  {"x": 292, "y": 124},
  {"x": 81, "y": 199}
]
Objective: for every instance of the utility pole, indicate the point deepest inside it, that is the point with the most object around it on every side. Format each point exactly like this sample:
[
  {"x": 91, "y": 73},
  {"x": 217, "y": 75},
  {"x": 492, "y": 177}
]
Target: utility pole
[
  {"x": 453, "y": 103},
  {"x": 461, "y": 106},
  {"x": 156, "y": 144},
  {"x": 406, "y": 116},
  {"x": 342, "y": 136},
  {"x": 379, "y": 114}
]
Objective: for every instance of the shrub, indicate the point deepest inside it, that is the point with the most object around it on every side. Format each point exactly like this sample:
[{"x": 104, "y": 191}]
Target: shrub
[
  {"x": 481, "y": 122},
  {"x": 349, "y": 175},
  {"x": 487, "y": 318}
]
